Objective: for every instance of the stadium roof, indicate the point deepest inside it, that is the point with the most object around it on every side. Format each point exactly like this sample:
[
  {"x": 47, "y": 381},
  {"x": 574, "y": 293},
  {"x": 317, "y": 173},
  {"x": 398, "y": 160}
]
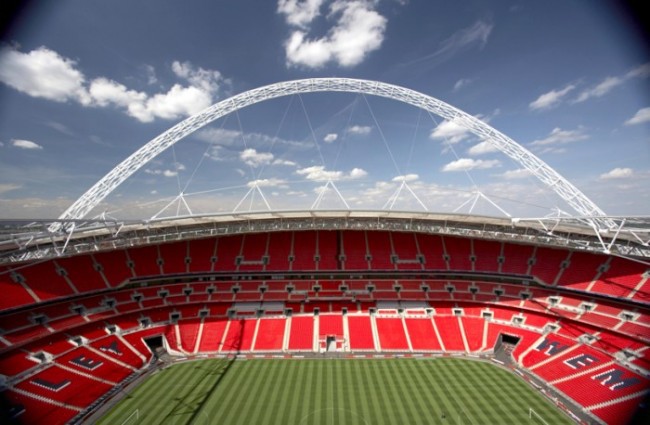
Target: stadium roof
[{"x": 31, "y": 239}]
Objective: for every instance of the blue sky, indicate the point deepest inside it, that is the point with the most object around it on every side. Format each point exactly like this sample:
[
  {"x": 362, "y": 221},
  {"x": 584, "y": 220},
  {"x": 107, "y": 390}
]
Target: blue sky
[{"x": 85, "y": 83}]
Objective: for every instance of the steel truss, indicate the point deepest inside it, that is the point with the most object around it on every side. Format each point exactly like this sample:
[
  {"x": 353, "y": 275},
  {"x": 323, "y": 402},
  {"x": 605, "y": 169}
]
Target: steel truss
[{"x": 567, "y": 191}]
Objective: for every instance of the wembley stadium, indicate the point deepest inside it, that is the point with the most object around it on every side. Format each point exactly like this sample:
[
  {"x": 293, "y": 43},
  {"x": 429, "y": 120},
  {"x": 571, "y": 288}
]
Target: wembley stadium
[{"x": 92, "y": 309}]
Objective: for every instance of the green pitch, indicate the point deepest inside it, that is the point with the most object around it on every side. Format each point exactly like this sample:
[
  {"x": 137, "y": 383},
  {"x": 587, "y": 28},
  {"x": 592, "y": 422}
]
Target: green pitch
[{"x": 349, "y": 391}]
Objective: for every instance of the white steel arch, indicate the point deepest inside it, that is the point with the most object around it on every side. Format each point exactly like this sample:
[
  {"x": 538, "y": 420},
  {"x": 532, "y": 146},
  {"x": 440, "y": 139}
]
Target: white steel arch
[{"x": 567, "y": 191}]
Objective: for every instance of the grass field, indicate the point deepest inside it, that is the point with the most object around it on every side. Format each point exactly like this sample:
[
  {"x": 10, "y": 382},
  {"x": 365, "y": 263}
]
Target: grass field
[{"x": 327, "y": 392}]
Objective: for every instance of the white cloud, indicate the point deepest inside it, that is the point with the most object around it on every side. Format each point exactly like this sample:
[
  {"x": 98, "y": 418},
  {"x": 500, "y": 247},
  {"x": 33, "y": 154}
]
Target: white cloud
[
  {"x": 482, "y": 148},
  {"x": 358, "y": 173},
  {"x": 272, "y": 182},
  {"x": 46, "y": 74},
  {"x": 59, "y": 127},
  {"x": 299, "y": 13},
  {"x": 450, "y": 131},
  {"x": 550, "y": 99},
  {"x": 406, "y": 178},
  {"x": 219, "y": 136},
  {"x": 560, "y": 137},
  {"x": 319, "y": 173},
  {"x": 286, "y": 162},
  {"x": 461, "y": 83},
  {"x": 26, "y": 144},
  {"x": 601, "y": 89},
  {"x": 331, "y": 137},
  {"x": 466, "y": 164},
  {"x": 177, "y": 102},
  {"x": 8, "y": 187},
  {"x": 610, "y": 83},
  {"x": 253, "y": 158},
  {"x": 361, "y": 130},
  {"x": 106, "y": 92},
  {"x": 641, "y": 116},
  {"x": 150, "y": 71},
  {"x": 476, "y": 34},
  {"x": 617, "y": 173},
  {"x": 641, "y": 71},
  {"x": 519, "y": 173},
  {"x": 226, "y": 137},
  {"x": 204, "y": 79},
  {"x": 165, "y": 173},
  {"x": 43, "y": 73},
  {"x": 359, "y": 30}
]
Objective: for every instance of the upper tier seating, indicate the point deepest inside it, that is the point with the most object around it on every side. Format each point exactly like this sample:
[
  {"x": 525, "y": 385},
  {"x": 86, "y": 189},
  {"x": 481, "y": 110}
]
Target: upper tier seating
[
  {"x": 279, "y": 251},
  {"x": 380, "y": 251},
  {"x": 355, "y": 250},
  {"x": 407, "y": 253}
]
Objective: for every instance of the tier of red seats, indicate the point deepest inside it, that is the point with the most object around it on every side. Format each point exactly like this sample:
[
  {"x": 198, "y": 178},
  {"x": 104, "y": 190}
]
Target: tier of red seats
[
  {"x": 606, "y": 384},
  {"x": 189, "y": 333},
  {"x": 363, "y": 249},
  {"x": 213, "y": 332},
  {"x": 270, "y": 334},
  {"x": 145, "y": 260},
  {"x": 116, "y": 348},
  {"x": 38, "y": 411},
  {"x": 14, "y": 294},
  {"x": 548, "y": 262},
  {"x": 473, "y": 328},
  {"x": 61, "y": 317},
  {"x": 330, "y": 325},
  {"x": 578, "y": 358},
  {"x": 173, "y": 257},
  {"x": 228, "y": 248},
  {"x": 301, "y": 337},
  {"x": 405, "y": 247},
  {"x": 82, "y": 273},
  {"x": 449, "y": 331},
  {"x": 432, "y": 249},
  {"x": 279, "y": 251},
  {"x": 391, "y": 334},
  {"x": 380, "y": 250},
  {"x": 360, "y": 333},
  {"x": 355, "y": 250},
  {"x": 582, "y": 270},
  {"x": 45, "y": 281},
  {"x": 253, "y": 251},
  {"x": 62, "y": 278},
  {"x": 422, "y": 334},
  {"x": 63, "y": 386},
  {"x": 240, "y": 335},
  {"x": 267, "y": 334}
]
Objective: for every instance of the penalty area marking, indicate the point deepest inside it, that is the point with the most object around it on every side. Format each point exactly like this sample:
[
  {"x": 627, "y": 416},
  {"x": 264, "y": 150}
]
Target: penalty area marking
[{"x": 154, "y": 408}]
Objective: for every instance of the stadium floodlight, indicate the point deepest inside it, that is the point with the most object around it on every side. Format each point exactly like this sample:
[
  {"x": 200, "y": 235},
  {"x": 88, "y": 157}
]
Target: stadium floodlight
[{"x": 547, "y": 175}]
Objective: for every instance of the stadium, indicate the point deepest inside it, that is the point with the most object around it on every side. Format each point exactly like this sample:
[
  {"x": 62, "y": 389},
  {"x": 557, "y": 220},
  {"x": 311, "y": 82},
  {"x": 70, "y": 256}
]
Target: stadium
[{"x": 325, "y": 314}]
